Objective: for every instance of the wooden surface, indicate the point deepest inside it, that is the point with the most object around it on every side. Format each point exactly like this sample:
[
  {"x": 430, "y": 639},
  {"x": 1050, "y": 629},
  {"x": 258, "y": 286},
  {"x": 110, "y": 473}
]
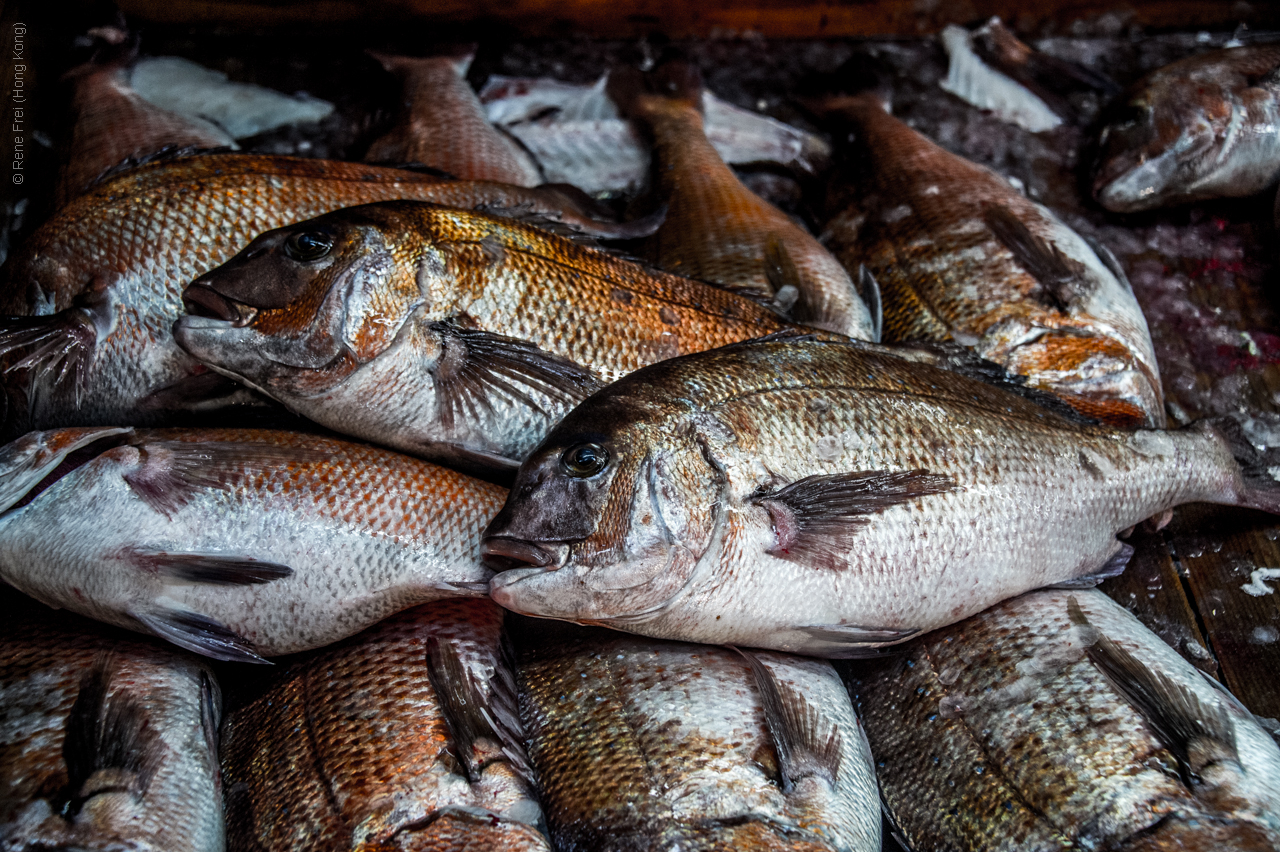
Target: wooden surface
[{"x": 680, "y": 19}]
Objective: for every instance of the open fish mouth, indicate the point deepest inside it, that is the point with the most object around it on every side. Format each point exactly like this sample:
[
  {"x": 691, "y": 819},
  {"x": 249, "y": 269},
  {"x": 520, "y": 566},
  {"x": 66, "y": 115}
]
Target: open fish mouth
[
  {"x": 201, "y": 300},
  {"x": 508, "y": 554}
]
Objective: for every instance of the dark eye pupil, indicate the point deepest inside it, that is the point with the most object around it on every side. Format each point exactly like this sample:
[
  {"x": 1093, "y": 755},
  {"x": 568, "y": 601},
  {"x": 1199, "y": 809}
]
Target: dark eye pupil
[
  {"x": 585, "y": 459},
  {"x": 309, "y": 245}
]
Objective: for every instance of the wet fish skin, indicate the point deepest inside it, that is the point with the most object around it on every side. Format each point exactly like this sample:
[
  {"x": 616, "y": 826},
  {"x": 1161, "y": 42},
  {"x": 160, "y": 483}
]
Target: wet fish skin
[
  {"x": 353, "y": 746},
  {"x": 240, "y": 544},
  {"x": 960, "y": 255},
  {"x": 715, "y": 228},
  {"x": 830, "y": 499},
  {"x": 445, "y": 333},
  {"x": 1002, "y": 733},
  {"x": 113, "y": 125},
  {"x": 122, "y": 732},
  {"x": 444, "y": 125},
  {"x": 644, "y": 745},
  {"x": 93, "y": 294},
  {"x": 1207, "y": 126}
]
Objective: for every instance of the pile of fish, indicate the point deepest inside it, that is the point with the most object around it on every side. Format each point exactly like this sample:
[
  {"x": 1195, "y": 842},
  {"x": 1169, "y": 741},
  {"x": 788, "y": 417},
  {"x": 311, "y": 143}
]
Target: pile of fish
[{"x": 922, "y": 438}]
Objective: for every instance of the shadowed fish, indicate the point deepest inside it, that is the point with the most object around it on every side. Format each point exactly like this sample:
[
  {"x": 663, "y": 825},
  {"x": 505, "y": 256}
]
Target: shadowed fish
[
  {"x": 962, "y": 256},
  {"x": 235, "y": 543},
  {"x": 644, "y": 745},
  {"x": 829, "y": 498},
  {"x": 113, "y": 125},
  {"x": 715, "y": 228},
  {"x": 441, "y": 332},
  {"x": 92, "y": 295},
  {"x": 1056, "y": 721},
  {"x": 106, "y": 742},
  {"x": 405, "y": 738},
  {"x": 1207, "y": 126},
  {"x": 444, "y": 126}
]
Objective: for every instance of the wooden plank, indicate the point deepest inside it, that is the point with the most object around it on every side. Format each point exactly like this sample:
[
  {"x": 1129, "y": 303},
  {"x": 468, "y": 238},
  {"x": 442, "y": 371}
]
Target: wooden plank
[
  {"x": 1220, "y": 548},
  {"x": 1151, "y": 589},
  {"x": 680, "y": 19}
]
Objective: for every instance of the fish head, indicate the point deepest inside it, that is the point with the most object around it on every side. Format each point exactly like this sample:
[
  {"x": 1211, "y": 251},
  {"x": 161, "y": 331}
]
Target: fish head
[
  {"x": 1157, "y": 147},
  {"x": 608, "y": 517},
  {"x": 301, "y": 308}
]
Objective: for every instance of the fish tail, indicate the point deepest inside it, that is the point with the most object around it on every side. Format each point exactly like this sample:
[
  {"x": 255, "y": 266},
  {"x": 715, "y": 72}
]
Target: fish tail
[
  {"x": 632, "y": 90},
  {"x": 1259, "y": 466}
]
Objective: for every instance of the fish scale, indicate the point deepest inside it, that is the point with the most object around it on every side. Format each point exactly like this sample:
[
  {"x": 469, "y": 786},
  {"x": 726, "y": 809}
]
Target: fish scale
[
  {"x": 137, "y": 239},
  {"x": 918, "y": 218},
  {"x": 829, "y": 498}
]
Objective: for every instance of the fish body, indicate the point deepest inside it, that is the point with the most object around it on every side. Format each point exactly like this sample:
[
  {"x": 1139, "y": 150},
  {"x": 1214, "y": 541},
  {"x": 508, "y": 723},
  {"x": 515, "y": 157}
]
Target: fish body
[
  {"x": 1013, "y": 730},
  {"x": 1207, "y": 126},
  {"x": 716, "y": 229},
  {"x": 644, "y": 745},
  {"x": 445, "y": 333},
  {"x": 236, "y": 543},
  {"x": 93, "y": 293},
  {"x": 106, "y": 742},
  {"x": 828, "y": 498},
  {"x": 444, "y": 126},
  {"x": 962, "y": 256},
  {"x": 113, "y": 125},
  {"x": 405, "y": 737},
  {"x": 578, "y": 137}
]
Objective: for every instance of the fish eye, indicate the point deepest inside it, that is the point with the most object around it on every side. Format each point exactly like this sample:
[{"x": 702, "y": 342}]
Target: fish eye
[
  {"x": 308, "y": 245},
  {"x": 584, "y": 460}
]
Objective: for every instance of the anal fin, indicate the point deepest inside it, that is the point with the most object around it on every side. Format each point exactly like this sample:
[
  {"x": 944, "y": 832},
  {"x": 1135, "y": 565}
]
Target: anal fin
[
  {"x": 199, "y": 633},
  {"x": 808, "y": 744},
  {"x": 850, "y": 642},
  {"x": 1113, "y": 567}
]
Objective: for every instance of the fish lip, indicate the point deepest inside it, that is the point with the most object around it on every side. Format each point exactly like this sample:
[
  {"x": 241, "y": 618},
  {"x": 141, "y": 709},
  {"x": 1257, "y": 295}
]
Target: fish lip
[
  {"x": 201, "y": 300},
  {"x": 501, "y": 553}
]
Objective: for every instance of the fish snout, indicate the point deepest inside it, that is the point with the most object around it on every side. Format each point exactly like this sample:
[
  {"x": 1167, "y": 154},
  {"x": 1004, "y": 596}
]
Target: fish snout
[
  {"x": 501, "y": 553},
  {"x": 202, "y": 300}
]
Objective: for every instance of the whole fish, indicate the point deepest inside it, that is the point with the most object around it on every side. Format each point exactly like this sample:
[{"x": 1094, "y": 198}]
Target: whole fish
[
  {"x": 578, "y": 137},
  {"x": 444, "y": 126},
  {"x": 1207, "y": 126},
  {"x": 1056, "y": 721},
  {"x": 829, "y": 498},
  {"x": 235, "y": 543},
  {"x": 441, "y": 332},
  {"x": 718, "y": 230},
  {"x": 644, "y": 745},
  {"x": 106, "y": 742},
  {"x": 405, "y": 737},
  {"x": 112, "y": 125},
  {"x": 93, "y": 294},
  {"x": 962, "y": 256}
]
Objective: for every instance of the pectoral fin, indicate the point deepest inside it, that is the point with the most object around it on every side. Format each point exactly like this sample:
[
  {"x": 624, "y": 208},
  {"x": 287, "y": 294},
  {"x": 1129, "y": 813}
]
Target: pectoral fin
[
  {"x": 199, "y": 633},
  {"x": 1060, "y": 277},
  {"x": 477, "y": 366},
  {"x": 808, "y": 744},
  {"x": 815, "y": 519},
  {"x": 1197, "y": 732}
]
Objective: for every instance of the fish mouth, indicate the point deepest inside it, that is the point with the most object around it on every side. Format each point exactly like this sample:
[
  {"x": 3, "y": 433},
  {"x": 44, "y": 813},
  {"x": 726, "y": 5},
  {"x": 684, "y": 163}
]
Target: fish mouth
[
  {"x": 201, "y": 300},
  {"x": 504, "y": 554}
]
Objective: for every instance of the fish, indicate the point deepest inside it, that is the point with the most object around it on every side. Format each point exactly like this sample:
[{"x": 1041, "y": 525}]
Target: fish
[
  {"x": 235, "y": 544},
  {"x": 715, "y": 228},
  {"x": 832, "y": 498},
  {"x": 91, "y": 296},
  {"x": 1207, "y": 126},
  {"x": 960, "y": 255},
  {"x": 445, "y": 333},
  {"x": 113, "y": 125},
  {"x": 444, "y": 126},
  {"x": 578, "y": 137},
  {"x": 647, "y": 745},
  {"x": 107, "y": 742},
  {"x": 404, "y": 737},
  {"x": 1056, "y": 721}
]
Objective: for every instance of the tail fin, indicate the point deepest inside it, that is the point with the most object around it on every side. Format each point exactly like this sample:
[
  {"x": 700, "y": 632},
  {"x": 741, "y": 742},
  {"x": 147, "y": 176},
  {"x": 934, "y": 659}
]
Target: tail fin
[{"x": 1259, "y": 467}]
